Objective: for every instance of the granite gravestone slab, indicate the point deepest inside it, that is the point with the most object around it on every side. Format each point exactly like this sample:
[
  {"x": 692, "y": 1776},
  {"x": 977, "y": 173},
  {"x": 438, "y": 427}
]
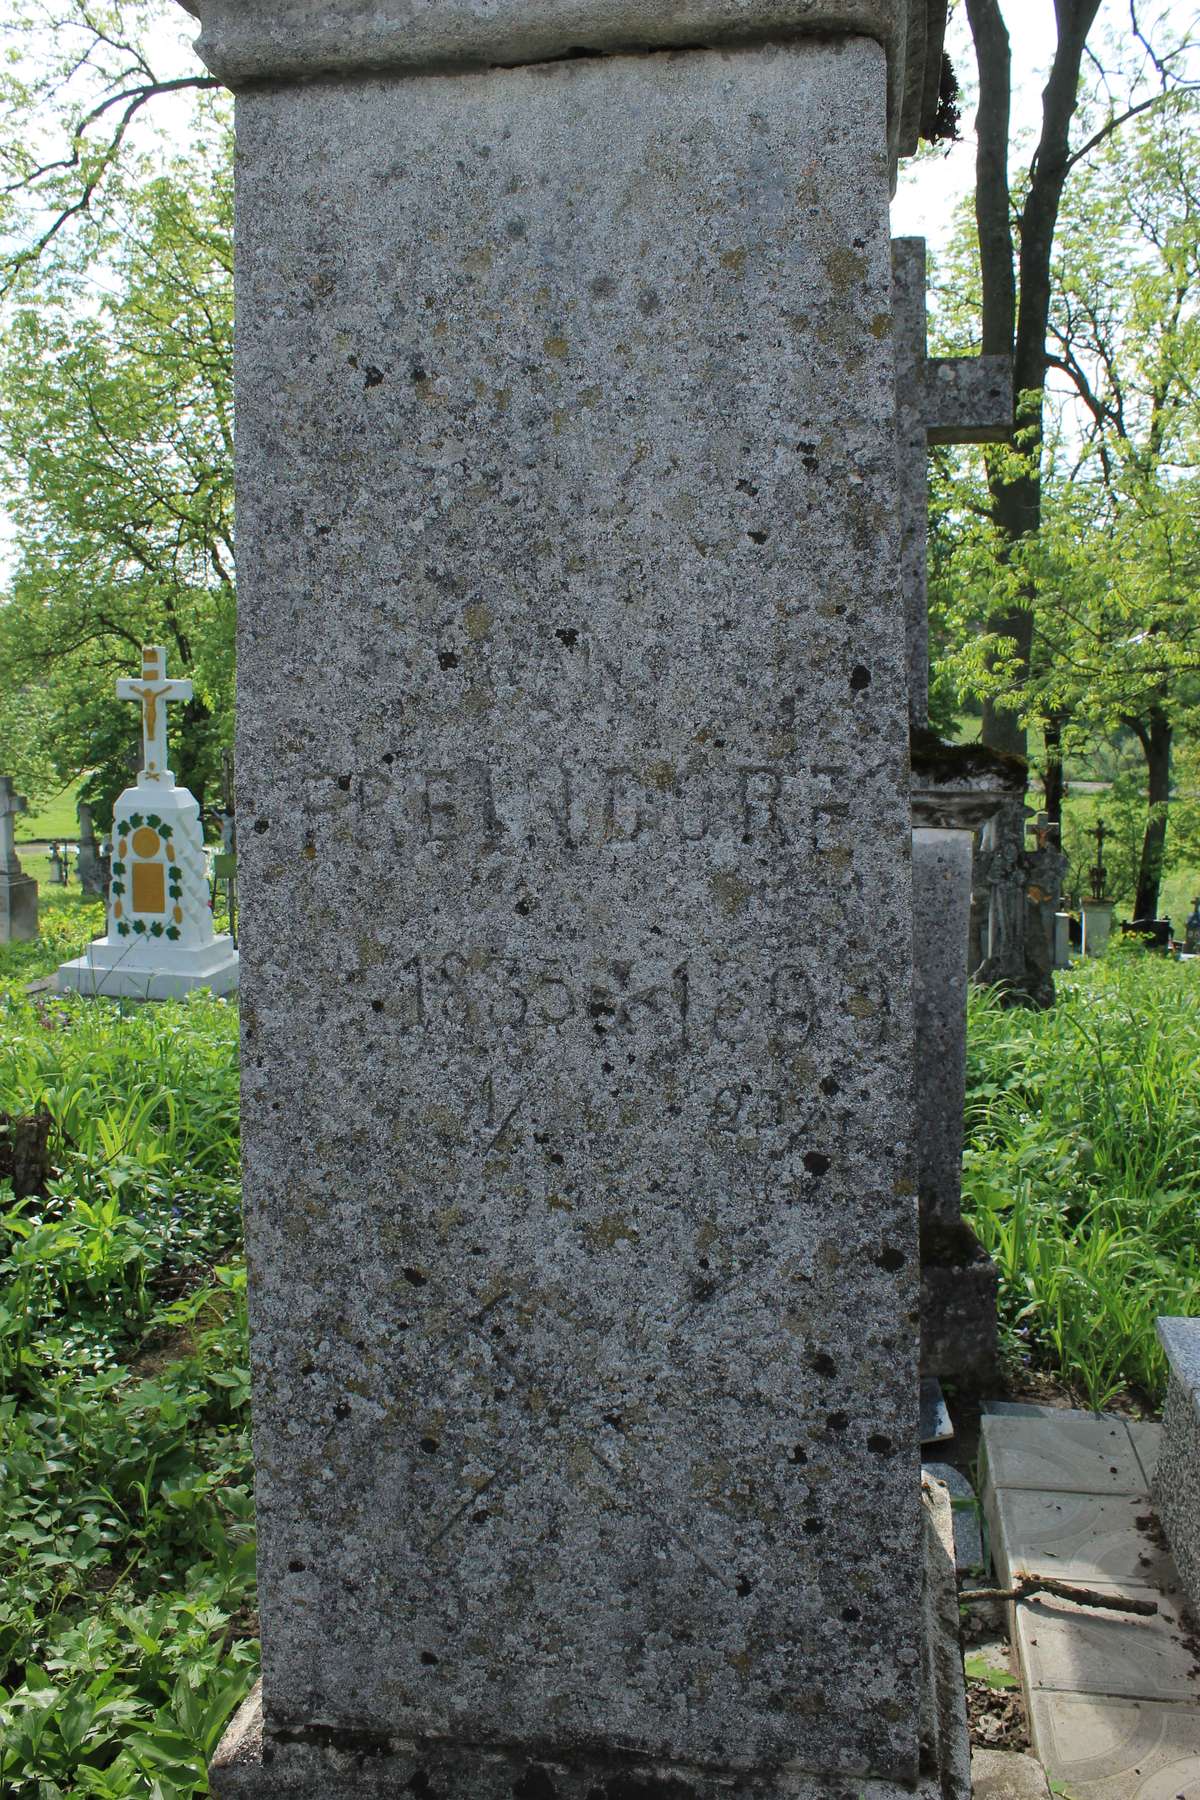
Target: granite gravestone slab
[
  {"x": 578, "y": 1176},
  {"x": 18, "y": 891}
]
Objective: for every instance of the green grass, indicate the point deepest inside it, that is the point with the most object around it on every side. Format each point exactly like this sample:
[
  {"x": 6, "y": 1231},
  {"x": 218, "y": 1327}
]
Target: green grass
[
  {"x": 1082, "y": 1168},
  {"x": 127, "y": 1633},
  {"x": 57, "y": 818}
]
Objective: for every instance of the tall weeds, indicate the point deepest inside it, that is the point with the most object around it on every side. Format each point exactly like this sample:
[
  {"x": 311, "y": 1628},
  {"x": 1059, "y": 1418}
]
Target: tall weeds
[{"x": 1082, "y": 1167}]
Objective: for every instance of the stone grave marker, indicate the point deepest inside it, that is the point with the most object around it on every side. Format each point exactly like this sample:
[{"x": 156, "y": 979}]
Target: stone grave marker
[
  {"x": 160, "y": 942},
  {"x": 18, "y": 891},
  {"x": 573, "y": 796},
  {"x": 90, "y": 866}
]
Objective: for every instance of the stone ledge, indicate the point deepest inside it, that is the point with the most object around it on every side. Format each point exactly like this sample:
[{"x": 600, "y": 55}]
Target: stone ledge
[{"x": 292, "y": 40}]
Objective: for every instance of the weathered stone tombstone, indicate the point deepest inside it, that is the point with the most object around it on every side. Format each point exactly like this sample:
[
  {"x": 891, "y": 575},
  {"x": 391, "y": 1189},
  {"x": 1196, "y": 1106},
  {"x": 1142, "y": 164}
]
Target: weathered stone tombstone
[
  {"x": 573, "y": 789},
  {"x": 90, "y": 863},
  {"x": 957, "y": 789},
  {"x": 160, "y": 942},
  {"x": 18, "y": 891}
]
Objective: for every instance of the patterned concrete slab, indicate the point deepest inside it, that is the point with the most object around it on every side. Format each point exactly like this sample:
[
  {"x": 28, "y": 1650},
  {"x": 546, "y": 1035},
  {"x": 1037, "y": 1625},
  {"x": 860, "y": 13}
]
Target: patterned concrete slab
[
  {"x": 1067, "y": 1453},
  {"x": 1105, "y": 1749},
  {"x": 1081, "y": 1650},
  {"x": 1146, "y": 1436},
  {"x": 1094, "y": 1539}
]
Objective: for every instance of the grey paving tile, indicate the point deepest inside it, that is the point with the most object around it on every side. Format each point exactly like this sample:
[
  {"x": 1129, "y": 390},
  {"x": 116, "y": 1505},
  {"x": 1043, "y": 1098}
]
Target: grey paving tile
[
  {"x": 1101, "y": 1749},
  {"x": 1082, "y": 1650},
  {"x": 1146, "y": 1435},
  {"x": 1094, "y": 1539},
  {"x": 1071, "y": 1454}
]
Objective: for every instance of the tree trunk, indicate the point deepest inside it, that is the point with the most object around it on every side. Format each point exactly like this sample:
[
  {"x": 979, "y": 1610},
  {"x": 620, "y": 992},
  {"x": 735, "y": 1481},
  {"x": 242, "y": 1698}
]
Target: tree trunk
[
  {"x": 1155, "y": 734},
  {"x": 1016, "y": 306},
  {"x": 1052, "y": 777}
]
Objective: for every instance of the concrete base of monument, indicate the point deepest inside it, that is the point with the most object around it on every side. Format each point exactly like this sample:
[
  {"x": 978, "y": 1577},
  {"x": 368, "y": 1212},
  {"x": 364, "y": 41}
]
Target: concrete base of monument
[
  {"x": 120, "y": 971},
  {"x": 318, "y": 1763},
  {"x": 959, "y": 1284},
  {"x": 18, "y": 909}
]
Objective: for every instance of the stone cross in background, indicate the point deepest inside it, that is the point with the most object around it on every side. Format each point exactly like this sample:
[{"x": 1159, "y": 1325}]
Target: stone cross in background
[
  {"x": 939, "y": 400},
  {"x": 573, "y": 774},
  {"x": 154, "y": 692},
  {"x": 18, "y": 891},
  {"x": 11, "y": 803},
  {"x": 160, "y": 942}
]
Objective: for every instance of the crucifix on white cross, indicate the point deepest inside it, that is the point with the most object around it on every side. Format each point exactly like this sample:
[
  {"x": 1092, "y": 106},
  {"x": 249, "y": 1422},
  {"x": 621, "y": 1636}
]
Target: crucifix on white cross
[
  {"x": 153, "y": 692},
  {"x": 939, "y": 400},
  {"x": 10, "y": 805}
]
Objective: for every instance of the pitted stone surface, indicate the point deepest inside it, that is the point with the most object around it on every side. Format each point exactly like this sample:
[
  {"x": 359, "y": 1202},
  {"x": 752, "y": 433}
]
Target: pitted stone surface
[
  {"x": 942, "y": 907},
  {"x": 573, "y": 766},
  {"x": 279, "y": 39}
]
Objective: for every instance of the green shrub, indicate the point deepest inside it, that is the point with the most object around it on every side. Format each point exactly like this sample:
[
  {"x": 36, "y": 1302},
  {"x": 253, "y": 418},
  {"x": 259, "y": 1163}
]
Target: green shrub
[
  {"x": 127, "y": 1629},
  {"x": 1082, "y": 1166}
]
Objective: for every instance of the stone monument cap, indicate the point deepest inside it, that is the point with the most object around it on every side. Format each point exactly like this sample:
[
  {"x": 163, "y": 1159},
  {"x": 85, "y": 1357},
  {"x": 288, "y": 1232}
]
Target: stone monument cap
[
  {"x": 243, "y": 42},
  {"x": 958, "y": 787}
]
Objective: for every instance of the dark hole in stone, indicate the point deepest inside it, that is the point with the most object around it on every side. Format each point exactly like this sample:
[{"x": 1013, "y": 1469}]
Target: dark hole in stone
[
  {"x": 838, "y": 1421},
  {"x": 747, "y": 487},
  {"x": 261, "y": 825},
  {"x": 758, "y": 537},
  {"x": 377, "y": 1006},
  {"x": 850, "y": 1614},
  {"x": 829, "y": 1086},
  {"x": 822, "y": 1363},
  {"x": 814, "y": 1527},
  {"x": 569, "y": 635},
  {"x": 860, "y": 678},
  {"x": 480, "y": 1518},
  {"x": 613, "y": 1419},
  {"x": 890, "y": 1259},
  {"x": 388, "y": 757},
  {"x": 309, "y": 1369},
  {"x": 704, "y": 1290},
  {"x": 429, "y": 1446},
  {"x": 524, "y": 906},
  {"x": 416, "y": 1276},
  {"x": 556, "y": 1156},
  {"x": 534, "y": 1784},
  {"x": 879, "y": 1445},
  {"x": 745, "y": 1586},
  {"x": 816, "y": 1164},
  {"x": 342, "y": 1410},
  {"x": 344, "y": 783},
  {"x": 607, "y": 1067},
  {"x": 798, "y": 1454},
  {"x": 296, "y": 1567},
  {"x": 703, "y": 1262},
  {"x": 418, "y": 373},
  {"x": 374, "y": 376},
  {"x": 429, "y": 1659},
  {"x": 419, "y": 1783},
  {"x": 447, "y": 659}
]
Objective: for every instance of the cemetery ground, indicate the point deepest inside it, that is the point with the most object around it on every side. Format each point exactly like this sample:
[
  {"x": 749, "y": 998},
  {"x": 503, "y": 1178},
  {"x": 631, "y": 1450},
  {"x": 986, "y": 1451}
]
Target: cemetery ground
[{"x": 127, "y": 1625}]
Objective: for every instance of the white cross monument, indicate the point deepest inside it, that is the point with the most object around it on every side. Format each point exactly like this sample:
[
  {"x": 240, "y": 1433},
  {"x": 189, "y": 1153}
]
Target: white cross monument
[
  {"x": 160, "y": 941},
  {"x": 18, "y": 891}
]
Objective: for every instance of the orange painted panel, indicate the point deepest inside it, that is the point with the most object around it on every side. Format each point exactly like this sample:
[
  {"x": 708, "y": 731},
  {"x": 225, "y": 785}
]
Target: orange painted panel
[{"x": 149, "y": 888}]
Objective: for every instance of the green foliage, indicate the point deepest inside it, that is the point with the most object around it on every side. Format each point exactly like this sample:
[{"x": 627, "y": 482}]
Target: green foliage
[
  {"x": 1082, "y": 1166},
  {"x": 116, "y": 433},
  {"x": 127, "y": 1563}
]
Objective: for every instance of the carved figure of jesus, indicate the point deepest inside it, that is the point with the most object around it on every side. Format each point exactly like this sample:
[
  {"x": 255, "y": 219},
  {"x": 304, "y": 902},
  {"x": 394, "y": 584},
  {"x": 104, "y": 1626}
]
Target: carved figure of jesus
[{"x": 154, "y": 691}]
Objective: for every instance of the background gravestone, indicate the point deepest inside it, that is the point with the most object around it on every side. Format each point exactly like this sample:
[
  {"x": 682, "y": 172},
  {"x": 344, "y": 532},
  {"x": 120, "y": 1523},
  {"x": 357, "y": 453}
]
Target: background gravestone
[
  {"x": 18, "y": 891},
  {"x": 573, "y": 792}
]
